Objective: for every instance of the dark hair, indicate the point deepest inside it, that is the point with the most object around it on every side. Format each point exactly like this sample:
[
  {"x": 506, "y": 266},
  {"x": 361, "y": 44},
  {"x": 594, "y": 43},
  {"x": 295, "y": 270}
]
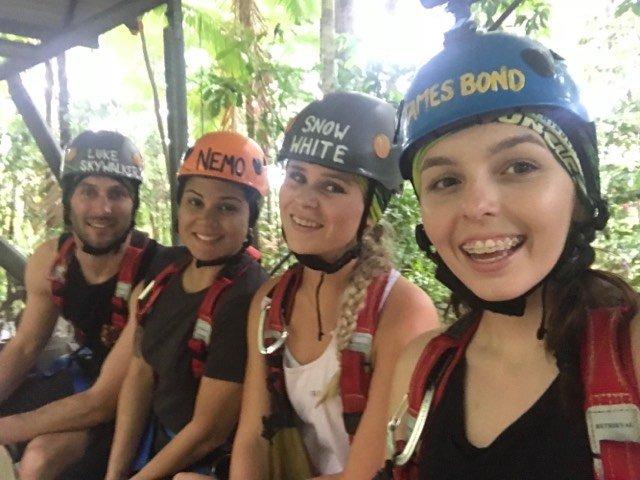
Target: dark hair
[{"x": 251, "y": 195}]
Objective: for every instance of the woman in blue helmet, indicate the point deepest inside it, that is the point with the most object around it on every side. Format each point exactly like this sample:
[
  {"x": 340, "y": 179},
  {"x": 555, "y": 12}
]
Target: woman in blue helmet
[{"x": 538, "y": 377}]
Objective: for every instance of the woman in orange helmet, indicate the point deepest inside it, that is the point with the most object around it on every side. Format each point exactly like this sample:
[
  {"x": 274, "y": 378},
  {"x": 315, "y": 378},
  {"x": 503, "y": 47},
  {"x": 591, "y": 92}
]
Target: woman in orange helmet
[{"x": 187, "y": 372}]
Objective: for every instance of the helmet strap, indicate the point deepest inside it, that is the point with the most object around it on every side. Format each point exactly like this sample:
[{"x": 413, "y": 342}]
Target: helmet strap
[
  {"x": 227, "y": 259},
  {"x": 113, "y": 247}
]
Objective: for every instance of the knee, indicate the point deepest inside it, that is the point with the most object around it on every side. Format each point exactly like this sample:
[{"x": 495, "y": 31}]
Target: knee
[{"x": 34, "y": 461}]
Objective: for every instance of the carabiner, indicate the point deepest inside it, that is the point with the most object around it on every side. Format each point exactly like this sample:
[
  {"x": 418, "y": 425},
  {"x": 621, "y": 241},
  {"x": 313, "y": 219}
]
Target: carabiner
[
  {"x": 280, "y": 337},
  {"x": 415, "y": 428}
]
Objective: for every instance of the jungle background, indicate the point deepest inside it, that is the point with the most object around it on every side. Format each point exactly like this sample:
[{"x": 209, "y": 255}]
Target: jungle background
[{"x": 252, "y": 64}]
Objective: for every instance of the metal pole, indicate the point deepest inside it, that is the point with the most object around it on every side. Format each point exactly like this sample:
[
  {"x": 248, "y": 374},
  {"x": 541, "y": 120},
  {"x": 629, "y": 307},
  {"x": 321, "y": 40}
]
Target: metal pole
[
  {"x": 12, "y": 260},
  {"x": 47, "y": 144}
]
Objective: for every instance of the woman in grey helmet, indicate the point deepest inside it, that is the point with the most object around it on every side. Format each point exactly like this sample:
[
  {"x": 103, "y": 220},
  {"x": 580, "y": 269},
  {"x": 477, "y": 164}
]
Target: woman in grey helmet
[{"x": 324, "y": 336}]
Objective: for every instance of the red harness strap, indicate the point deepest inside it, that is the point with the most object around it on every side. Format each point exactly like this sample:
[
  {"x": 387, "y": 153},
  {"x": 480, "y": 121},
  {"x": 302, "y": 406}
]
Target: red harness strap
[
  {"x": 435, "y": 365},
  {"x": 203, "y": 328},
  {"x": 355, "y": 359},
  {"x": 129, "y": 266},
  {"x": 355, "y": 365},
  {"x": 612, "y": 402}
]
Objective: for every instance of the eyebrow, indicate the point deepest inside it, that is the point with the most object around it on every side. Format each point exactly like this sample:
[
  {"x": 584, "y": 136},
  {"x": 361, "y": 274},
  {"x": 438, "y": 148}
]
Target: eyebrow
[
  {"x": 345, "y": 177},
  {"x": 226, "y": 197},
  {"x": 438, "y": 161},
  {"x": 516, "y": 140},
  {"x": 505, "y": 144}
]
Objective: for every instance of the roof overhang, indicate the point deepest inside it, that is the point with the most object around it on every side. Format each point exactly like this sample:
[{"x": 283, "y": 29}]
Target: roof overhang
[{"x": 32, "y": 31}]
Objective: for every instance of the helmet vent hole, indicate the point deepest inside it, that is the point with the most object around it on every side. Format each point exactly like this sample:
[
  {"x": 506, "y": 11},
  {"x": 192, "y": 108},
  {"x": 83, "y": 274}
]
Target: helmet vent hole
[{"x": 540, "y": 62}]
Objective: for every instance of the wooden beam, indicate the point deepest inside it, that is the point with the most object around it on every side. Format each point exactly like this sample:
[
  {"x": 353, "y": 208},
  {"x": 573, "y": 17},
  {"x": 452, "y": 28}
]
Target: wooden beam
[
  {"x": 24, "y": 29},
  {"x": 9, "y": 48},
  {"x": 35, "y": 123},
  {"x": 175, "y": 77},
  {"x": 87, "y": 30},
  {"x": 12, "y": 260}
]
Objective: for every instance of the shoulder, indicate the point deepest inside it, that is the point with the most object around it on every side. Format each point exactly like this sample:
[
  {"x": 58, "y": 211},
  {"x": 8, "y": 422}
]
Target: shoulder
[
  {"x": 162, "y": 257},
  {"x": 259, "y": 295},
  {"x": 406, "y": 365},
  {"x": 254, "y": 275},
  {"x": 408, "y": 309},
  {"x": 45, "y": 252},
  {"x": 41, "y": 260}
]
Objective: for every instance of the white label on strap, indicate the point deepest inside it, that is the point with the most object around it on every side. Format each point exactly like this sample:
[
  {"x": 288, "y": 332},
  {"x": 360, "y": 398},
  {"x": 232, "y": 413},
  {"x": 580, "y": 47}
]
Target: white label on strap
[
  {"x": 123, "y": 290},
  {"x": 620, "y": 422},
  {"x": 202, "y": 331}
]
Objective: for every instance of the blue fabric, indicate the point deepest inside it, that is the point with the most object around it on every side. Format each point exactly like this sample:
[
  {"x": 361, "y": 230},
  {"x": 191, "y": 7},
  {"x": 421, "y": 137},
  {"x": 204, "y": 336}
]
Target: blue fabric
[
  {"x": 81, "y": 381},
  {"x": 146, "y": 448}
]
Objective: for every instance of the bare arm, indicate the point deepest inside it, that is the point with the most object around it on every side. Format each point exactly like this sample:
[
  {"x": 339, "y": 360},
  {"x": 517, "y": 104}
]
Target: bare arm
[
  {"x": 215, "y": 414},
  {"x": 36, "y": 324},
  {"x": 249, "y": 459},
  {"x": 84, "y": 409},
  {"x": 407, "y": 313},
  {"x": 134, "y": 404}
]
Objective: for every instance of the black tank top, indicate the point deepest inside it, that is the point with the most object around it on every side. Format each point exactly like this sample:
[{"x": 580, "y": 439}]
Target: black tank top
[
  {"x": 88, "y": 306},
  {"x": 543, "y": 444}
]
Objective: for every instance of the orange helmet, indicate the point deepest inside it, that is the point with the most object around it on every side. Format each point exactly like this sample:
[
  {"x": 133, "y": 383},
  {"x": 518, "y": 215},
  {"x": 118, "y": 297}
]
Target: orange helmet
[{"x": 228, "y": 156}]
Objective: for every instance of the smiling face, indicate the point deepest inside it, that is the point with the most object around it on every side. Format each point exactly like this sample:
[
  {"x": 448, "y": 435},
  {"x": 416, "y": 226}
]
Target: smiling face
[
  {"x": 497, "y": 206},
  {"x": 320, "y": 209},
  {"x": 213, "y": 218},
  {"x": 101, "y": 210}
]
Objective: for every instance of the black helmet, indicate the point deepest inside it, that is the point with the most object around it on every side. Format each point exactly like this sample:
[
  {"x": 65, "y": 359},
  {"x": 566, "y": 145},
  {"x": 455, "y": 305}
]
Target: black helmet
[{"x": 351, "y": 132}]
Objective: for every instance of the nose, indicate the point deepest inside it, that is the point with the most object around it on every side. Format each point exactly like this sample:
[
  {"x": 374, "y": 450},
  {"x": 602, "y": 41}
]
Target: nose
[
  {"x": 103, "y": 205},
  {"x": 307, "y": 197},
  {"x": 481, "y": 199}
]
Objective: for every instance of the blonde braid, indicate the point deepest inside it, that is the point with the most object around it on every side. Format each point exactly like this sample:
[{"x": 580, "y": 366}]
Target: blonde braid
[{"x": 374, "y": 260}]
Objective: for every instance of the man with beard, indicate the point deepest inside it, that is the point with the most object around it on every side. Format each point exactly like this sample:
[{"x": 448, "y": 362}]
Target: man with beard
[{"x": 86, "y": 275}]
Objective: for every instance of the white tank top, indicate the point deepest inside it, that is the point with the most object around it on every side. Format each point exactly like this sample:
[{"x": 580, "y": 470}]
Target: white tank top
[{"x": 323, "y": 431}]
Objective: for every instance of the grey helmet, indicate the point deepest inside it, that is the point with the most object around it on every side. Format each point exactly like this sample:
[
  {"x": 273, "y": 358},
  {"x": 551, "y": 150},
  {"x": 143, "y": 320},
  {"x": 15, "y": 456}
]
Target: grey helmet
[
  {"x": 102, "y": 153},
  {"x": 350, "y": 132}
]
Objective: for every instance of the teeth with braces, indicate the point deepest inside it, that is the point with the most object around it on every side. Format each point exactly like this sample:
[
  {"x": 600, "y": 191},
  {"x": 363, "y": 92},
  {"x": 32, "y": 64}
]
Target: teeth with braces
[{"x": 480, "y": 247}]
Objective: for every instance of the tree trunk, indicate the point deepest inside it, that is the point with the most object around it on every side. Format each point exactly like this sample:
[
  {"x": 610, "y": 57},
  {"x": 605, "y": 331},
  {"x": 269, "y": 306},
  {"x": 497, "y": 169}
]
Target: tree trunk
[
  {"x": 344, "y": 16},
  {"x": 244, "y": 15},
  {"x": 327, "y": 47},
  {"x": 63, "y": 101}
]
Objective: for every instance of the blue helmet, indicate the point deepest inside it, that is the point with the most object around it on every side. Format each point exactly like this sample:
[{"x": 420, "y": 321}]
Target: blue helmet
[{"x": 480, "y": 73}]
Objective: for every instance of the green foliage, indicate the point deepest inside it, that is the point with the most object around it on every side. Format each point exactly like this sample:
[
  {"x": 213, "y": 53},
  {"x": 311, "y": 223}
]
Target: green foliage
[
  {"x": 531, "y": 15},
  {"x": 618, "y": 248},
  {"x": 628, "y": 5}
]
